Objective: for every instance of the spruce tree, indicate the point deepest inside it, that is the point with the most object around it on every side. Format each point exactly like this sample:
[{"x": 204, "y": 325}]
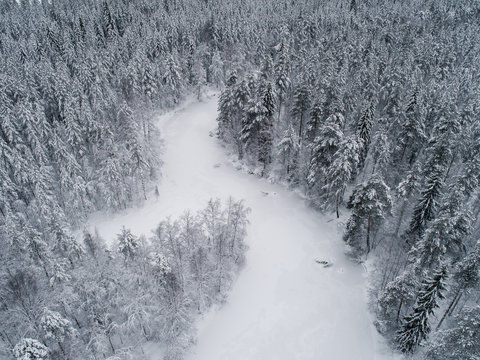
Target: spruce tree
[
  {"x": 416, "y": 326},
  {"x": 381, "y": 152},
  {"x": 370, "y": 203},
  {"x": 266, "y": 132},
  {"x": 127, "y": 244},
  {"x": 364, "y": 129},
  {"x": 30, "y": 349},
  {"x": 324, "y": 147},
  {"x": 227, "y": 107},
  {"x": 424, "y": 210},
  {"x": 446, "y": 234},
  {"x": 461, "y": 341},
  {"x": 281, "y": 72},
  {"x": 412, "y": 136},
  {"x": 316, "y": 116},
  {"x": 341, "y": 171},
  {"x": 301, "y": 104},
  {"x": 466, "y": 276},
  {"x": 288, "y": 149},
  {"x": 398, "y": 294}
]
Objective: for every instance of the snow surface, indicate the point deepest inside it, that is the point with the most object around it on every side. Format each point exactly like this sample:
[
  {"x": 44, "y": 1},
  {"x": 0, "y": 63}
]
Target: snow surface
[{"x": 283, "y": 305}]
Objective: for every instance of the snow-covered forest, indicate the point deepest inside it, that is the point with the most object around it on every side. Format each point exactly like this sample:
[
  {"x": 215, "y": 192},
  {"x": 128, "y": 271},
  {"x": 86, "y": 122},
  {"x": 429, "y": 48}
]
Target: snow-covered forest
[{"x": 368, "y": 108}]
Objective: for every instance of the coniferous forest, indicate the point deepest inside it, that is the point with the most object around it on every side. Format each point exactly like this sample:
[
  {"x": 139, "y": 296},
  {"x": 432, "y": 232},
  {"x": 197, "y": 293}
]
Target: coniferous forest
[{"x": 369, "y": 108}]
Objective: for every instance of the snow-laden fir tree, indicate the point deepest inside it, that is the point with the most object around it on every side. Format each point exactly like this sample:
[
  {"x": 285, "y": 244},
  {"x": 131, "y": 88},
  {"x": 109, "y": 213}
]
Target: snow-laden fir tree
[
  {"x": 466, "y": 277},
  {"x": 341, "y": 171},
  {"x": 159, "y": 265},
  {"x": 461, "y": 341},
  {"x": 301, "y": 104},
  {"x": 364, "y": 129},
  {"x": 266, "y": 132},
  {"x": 324, "y": 147},
  {"x": 281, "y": 73},
  {"x": 424, "y": 210},
  {"x": 172, "y": 77},
  {"x": 467, "y": 271},
  {"x": 446, "y": 234},
  {"x": 56, "y": 329},
  {"x": 127, "y": 243},
  {"x": 252, "y": 125},
  {"x": 257, "y": 123},
  {"x": 416, "y": 326},
  {"x": 227, "y": 107},
  {"x": 30, "y": 349},
  {"x": 412, "y": 135},
  {"x": 404, "y": 191},
  {"x": 381, "y": 152},
  {"x": 216, "y": 71},
  {"x": 370, "y": 203},
  {"x": 397, "y": 295},
  {"x": 316, "y": 116},
  {"x": 288, "y": 148}
]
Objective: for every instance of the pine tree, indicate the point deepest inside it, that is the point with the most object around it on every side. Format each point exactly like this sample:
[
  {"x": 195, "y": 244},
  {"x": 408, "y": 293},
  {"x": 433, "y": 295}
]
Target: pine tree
[
  {"x": 172, "y": 77},
  {"x": 424, "y": 211},
  {"x": 461, "y": 341},
  {"x": 467, "y": 273},
  {"x": 56, "y": 328},
  {"x": 416, "y": 327},
  {"x": 199, "y": 77},
  {"x": 216, "y": 70},
  {"x": 127, "y": 244},
  {"x": 227, "y": 107},
  {"x": 301, "y": 104},
  {"x": 281, "y": 70},
  {"x": 405, "y": 190},
  {"x": 466, "y": 276},
  {"x": 446, "y": 234},
  {"x": 288, "y": 148},
  {"x": 324, "y": 147},
  {"x": 266, "y": 71},
  {"x": 251, "y": 124},
  {"x": 30, "y": 349},
  {"x": 149, "y": 85},
  {"x": 342, "y": 170},
  {"x": 412, "y": 136},
  {"x": 381, "y": 151},
  {"x": 316, "y": 116},
  {"x": 364, "y": 129},
  {"x": 399, "y": 293},
  {"x": 266, "y": 132},
  {"x": 370, "y": 203}
]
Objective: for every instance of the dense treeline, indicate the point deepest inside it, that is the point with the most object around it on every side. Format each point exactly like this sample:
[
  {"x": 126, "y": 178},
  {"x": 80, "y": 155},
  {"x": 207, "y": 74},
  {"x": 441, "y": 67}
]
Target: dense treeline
[
  {"x": 79, "y": 84},
  {"x": 108, "y": 301},
  {"x": 370, "y": 104},
  {"x": 374, "y": 105}
]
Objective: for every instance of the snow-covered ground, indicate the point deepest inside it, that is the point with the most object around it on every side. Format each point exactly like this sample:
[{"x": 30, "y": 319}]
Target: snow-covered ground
[{"x": 283, "y": 305}]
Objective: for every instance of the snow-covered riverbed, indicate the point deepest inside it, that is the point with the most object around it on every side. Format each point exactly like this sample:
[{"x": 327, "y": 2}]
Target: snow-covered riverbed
[{"x": 284, "y": 305}]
